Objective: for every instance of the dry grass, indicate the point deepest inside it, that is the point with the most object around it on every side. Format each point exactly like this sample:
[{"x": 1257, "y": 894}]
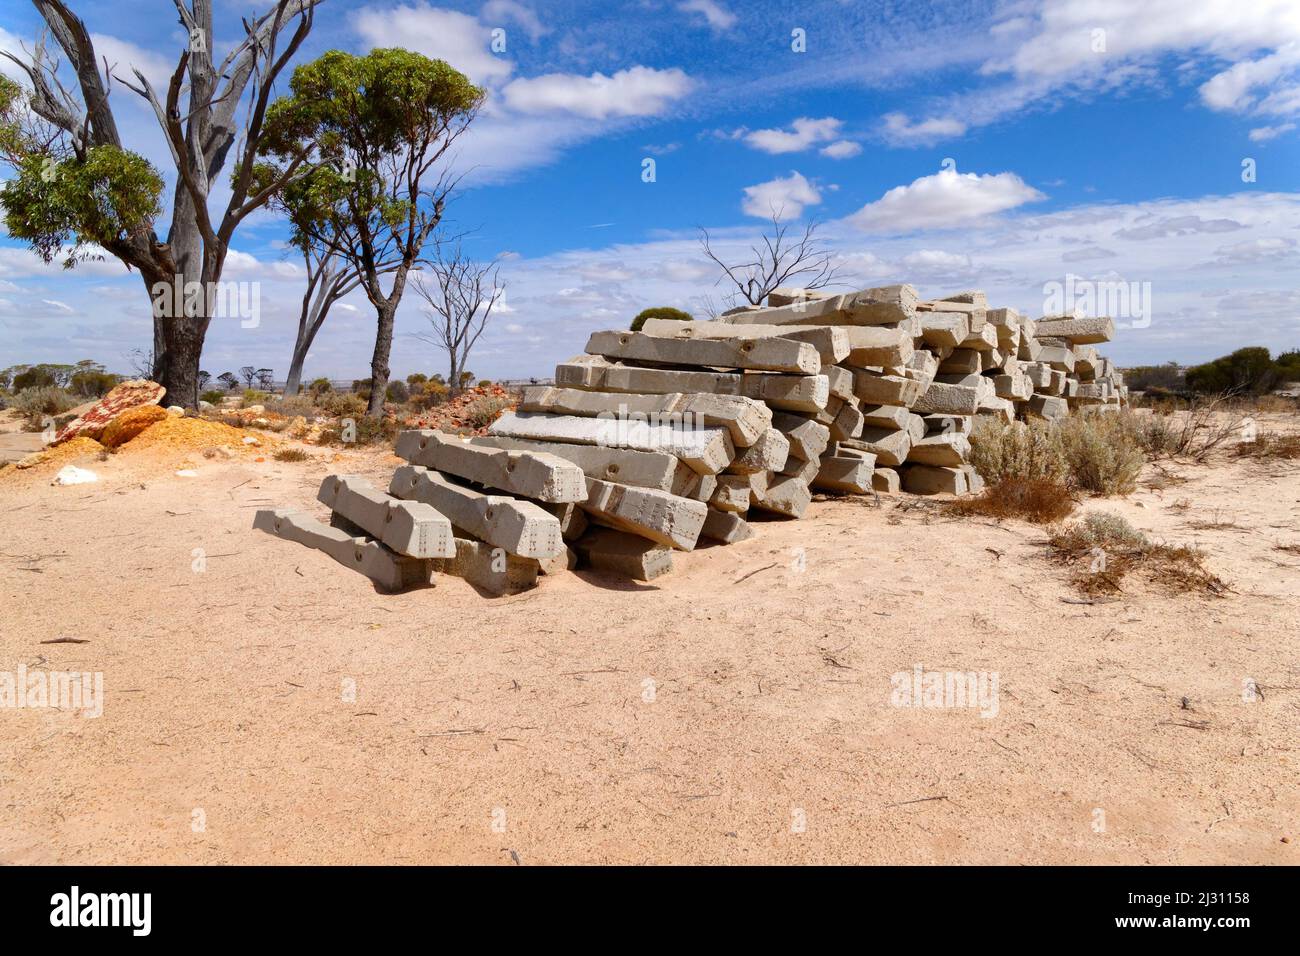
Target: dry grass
[
  {"x": 291, "y": 454},
  {"x": 1271, "y": 446},
  {"x": 1036, "y": 500},
  {"x": 1097, "y": 454},
  {"x": 1194, "y": 433},
  {"x": 1104, "y": 549}
]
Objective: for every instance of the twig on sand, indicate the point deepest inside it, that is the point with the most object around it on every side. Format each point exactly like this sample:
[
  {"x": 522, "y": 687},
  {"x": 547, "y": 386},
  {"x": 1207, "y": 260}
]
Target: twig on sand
[
  {"x": 67, "y": 640},
  {"x": 904, "y": 803},
  {"x": 752, "y": 573}
]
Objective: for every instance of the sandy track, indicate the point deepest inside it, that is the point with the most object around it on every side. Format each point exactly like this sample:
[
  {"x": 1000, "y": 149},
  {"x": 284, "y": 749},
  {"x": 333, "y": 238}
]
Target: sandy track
[{"x": 489, "y": 730}]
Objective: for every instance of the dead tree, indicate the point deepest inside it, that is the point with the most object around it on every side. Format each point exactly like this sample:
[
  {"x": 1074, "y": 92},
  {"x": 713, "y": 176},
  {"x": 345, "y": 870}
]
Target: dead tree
[
  {"x": 779, "y": 259},
  {"x": 199, "y": 113},
  {"x": 461, "y": 295}
]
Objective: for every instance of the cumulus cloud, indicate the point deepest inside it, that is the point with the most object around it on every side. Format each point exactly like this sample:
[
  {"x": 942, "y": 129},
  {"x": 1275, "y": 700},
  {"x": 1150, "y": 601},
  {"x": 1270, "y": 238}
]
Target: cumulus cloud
[
  {"x": 898, "y": 130},
  {"x": 457, "y": 38},
  {"x": 1235, "y": 88},
  {"x": 636, "y": 91},
  {"x": 783, "y": 197},
  {"x": 803, "y": 134},
  {"x": 1263, "y": 249},
  {"x": 946, "y": 199}
]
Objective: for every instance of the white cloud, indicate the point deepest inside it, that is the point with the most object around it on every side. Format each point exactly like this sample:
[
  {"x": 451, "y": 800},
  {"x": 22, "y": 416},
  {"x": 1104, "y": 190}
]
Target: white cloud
[
  {"x": 1234, "y": 88},
  {"x": 899, "y": 130},
  {"x": 124, "y": 57},
  {"x": 1161, "y": 227},
  {"x": 944, "y": 200},
  {"x": 457, "y": 38},
  {"x": 841, "y": 149},
  {"x": 784, "y": 198},
  {"x": 509, "y": 11},
  {"x": 715, "y": 14},
  {"x": 1265, "y": 133},
  {"x": 1265, "y": 249},
  {"x": 804, "y": 133},
  {"x": 637, "y": 91}
]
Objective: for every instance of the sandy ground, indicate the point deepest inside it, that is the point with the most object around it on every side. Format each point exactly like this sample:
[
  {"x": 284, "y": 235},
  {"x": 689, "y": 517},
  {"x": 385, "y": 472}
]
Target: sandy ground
[{"x": 738, "y": 710}]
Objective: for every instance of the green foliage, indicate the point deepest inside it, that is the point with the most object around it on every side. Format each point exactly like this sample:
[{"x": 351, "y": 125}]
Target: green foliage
[
  {"x": 253, "y": 396},
  {"x": 416, "y": 378},
  {"x": 53, "y": 204},
  {"x": 1144, "y": 377},
  {"x": 320, "y": 386},
  {"x": 397, "y": 392},
  {"x": 212, "y": 396},
  {"x": 660, "y": 312},
  {"x": 358, "y": 111},
  {"x": 36, "y": 376},
  {"x": 1247, "y": 371},
  {"x": 1288, "y": 364}
]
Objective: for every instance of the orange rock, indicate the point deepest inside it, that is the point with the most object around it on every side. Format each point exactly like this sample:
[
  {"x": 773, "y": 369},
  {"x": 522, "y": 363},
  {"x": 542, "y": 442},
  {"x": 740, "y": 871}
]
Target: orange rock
[{"x": 131, "y": 423}]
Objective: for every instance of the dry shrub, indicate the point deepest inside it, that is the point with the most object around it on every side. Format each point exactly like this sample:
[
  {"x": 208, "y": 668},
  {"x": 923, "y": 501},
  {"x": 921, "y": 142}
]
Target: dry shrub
[
  {"x": 1271, "y": 445},
  {"x": 1021, "y": 450},
  {"x": 366, "y": 431},
  {"x": 1102, "y": 455},
  {"x": 35, "y": 404},
  {"x": 291, "y": 454},
  {"x": 1105, "y": 548},
  {"x": 485, "y": 409},
  {"x": 1037, "y": 500},
  {"x": 1194, "y": 433}
]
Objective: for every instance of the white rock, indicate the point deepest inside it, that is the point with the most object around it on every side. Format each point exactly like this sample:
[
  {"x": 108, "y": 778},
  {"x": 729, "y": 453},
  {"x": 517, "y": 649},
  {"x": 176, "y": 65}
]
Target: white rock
[
  {"x": 71, "y": 475},
  {"x": 250, "y": 440},
  {"x": 187, "y": 473},
  {"x": 175, "y": 410}
]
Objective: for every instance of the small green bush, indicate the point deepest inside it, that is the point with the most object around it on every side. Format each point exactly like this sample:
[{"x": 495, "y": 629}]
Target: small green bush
[
  {"x": 320, "y": 386},
  {"x": 213, "y": 396},
  {"x": 254, "y": 397},
  {"x": 397, "y": 392},
  {"x": 660, "y": 312}
]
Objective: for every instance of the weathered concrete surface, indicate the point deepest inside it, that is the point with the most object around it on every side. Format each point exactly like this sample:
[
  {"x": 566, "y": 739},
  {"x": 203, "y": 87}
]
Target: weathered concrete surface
[
  {"x": 831, "y": 342},
  {"x": 725, "y": 527},
  {"x": 412, "y": 528},
  {"x": 389, "y": 570},
  {"x": 769, "y": 453},
  {"x": 656, "y": 515},
  {"x": 1079, "y": 331},
  {"x": 744, "y": 418},
  {"x": 928, "y": 480},
  {"x": 493, "y": 569},
  {"x": 520, "y": 527},
  {"x": 645, "y": 469},
  {"x": 628, "y": 555},
  {"x": 873, "y": 388},
  {"x": 785, "y": 496},
  {"x": 707, "y": 450},
  {"x": 845, "y": 475},
  {"x": 946, "y": 399},
  {"x": 538, "y": 475},
  {"x": 798, "y": 393},
  {"x": 772, "y": 355},
  {"x": 807, "y": 438}
]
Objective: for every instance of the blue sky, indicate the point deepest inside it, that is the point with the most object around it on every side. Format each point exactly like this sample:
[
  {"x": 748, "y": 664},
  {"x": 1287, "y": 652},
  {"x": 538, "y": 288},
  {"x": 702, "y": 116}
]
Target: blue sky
[{"x": 1099, "y": 138}]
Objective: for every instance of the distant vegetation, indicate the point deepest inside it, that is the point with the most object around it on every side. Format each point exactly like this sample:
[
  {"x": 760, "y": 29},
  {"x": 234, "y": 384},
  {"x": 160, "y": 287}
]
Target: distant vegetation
[{"x": 1248, "y": 371}]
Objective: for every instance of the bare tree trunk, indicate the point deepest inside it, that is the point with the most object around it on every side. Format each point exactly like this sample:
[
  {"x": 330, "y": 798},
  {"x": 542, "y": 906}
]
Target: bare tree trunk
[{"x": 379, "y": 370}]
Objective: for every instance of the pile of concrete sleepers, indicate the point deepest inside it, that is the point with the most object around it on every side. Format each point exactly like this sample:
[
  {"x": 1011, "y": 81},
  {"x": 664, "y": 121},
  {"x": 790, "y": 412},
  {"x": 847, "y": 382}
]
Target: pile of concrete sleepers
[{"x": 654, "y": 441}]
